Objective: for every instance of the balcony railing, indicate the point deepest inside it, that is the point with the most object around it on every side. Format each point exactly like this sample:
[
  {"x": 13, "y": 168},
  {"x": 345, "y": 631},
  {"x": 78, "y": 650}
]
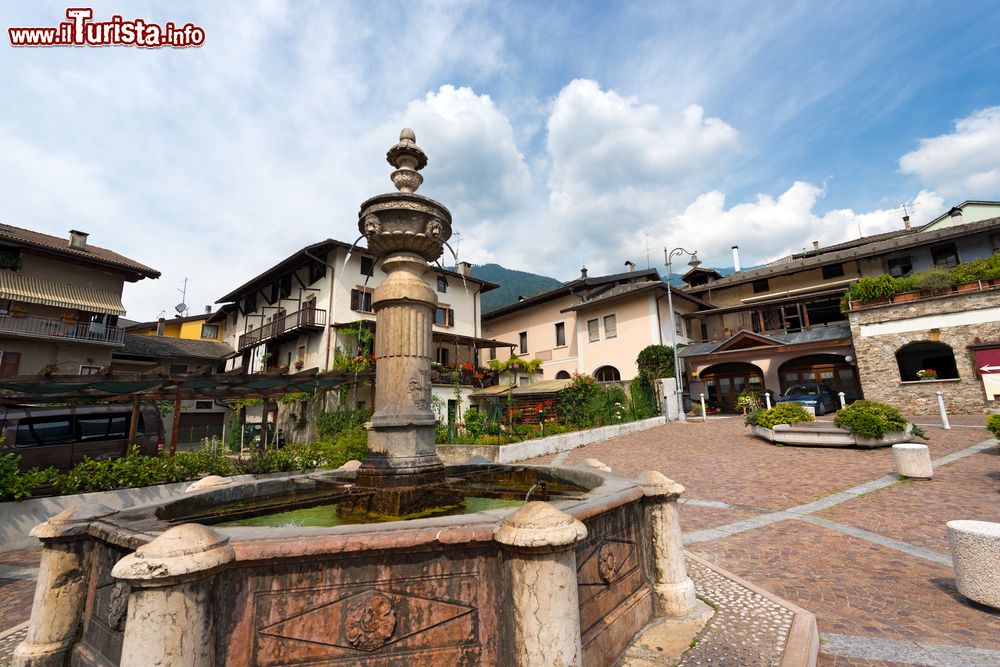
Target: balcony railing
[
  {"x": 287, "y": 325},
  {"x": 53, "y": 327}
]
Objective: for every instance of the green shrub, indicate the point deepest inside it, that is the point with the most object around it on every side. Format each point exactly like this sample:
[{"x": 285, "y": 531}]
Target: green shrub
[
  {"x": 135, "y": 470},
  {"x": 643, "y": 399},
  {"x": 654, "y": 362},
  {"x": 332, "y": 423},
  {"x": 16, "y": 484},
  {"x": 475, "y": 423},
  {"x": 782, "y": 413},
  {"x": 932, "y": 280},
  {"x": 971, "y": 271},
  {"x": 750, "y": 419},
  {"x": 993, "y": 425},
  {"x": 904, "y": 284},
  {"x": 870, "y": 419},
  {"x": 579, "y": 400},
  {"x": 868, "y": 290}
]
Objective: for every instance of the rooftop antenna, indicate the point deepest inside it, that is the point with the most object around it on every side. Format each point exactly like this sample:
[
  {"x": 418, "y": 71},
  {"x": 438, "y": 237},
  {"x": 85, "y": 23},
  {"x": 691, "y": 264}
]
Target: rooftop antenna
[{"x": 181, "y": 308}]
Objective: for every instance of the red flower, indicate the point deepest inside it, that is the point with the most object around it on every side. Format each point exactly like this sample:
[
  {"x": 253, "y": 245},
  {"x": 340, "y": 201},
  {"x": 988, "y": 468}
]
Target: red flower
[{"x": 467, "y": 366}]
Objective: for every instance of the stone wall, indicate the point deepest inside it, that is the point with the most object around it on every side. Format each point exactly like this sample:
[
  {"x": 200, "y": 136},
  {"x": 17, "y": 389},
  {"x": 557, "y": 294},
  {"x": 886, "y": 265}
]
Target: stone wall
[{"x": 880, "y": 331}]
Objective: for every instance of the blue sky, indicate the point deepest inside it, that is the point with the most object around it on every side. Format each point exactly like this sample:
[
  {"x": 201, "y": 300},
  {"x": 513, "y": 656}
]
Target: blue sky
[{"x": 558, "y": 133}]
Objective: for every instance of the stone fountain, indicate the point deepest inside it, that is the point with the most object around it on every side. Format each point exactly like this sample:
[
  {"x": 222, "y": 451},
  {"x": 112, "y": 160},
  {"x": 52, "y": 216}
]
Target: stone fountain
[
  {"x": 402, "y": 473},
  {"x": 221, "y": 575}
]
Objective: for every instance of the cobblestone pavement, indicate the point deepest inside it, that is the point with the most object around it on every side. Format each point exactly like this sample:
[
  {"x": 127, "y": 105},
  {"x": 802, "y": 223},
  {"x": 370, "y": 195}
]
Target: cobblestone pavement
[{"x": 872, "y": 566}]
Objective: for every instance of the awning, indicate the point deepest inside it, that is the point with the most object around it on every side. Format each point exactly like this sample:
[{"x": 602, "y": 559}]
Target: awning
[{"x": 19, "y": 287}]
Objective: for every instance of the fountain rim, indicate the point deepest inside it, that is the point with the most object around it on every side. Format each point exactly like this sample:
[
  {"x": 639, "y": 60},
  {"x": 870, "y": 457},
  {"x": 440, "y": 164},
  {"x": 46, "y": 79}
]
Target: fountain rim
[
  {"x": 133, "y": 527},
  {"x": 403, "y": 196}
]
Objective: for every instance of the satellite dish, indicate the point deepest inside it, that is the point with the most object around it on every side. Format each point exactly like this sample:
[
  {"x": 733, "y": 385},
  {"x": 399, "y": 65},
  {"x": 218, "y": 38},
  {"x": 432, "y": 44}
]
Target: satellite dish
[{"x": 180, "y": 308}]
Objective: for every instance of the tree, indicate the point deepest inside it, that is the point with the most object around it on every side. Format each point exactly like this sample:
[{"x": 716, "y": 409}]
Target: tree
[{"x": 655, "y": 362}]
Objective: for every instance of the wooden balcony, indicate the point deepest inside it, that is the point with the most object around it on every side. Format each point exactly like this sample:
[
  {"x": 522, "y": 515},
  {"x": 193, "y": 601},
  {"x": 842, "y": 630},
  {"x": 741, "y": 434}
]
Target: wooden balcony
[
  {"x": 61, "y": 329},
  {"x": 283, "y": 328}
]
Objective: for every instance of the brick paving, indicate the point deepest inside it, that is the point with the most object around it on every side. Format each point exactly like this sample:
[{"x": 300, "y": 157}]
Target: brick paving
[
  {"x": 966, "y": 489},
  {"x": 855, "y": 587}
]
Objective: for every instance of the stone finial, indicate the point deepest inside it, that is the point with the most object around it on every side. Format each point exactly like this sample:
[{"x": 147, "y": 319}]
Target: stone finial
[
  {"x": 71, "y": 522},
  {"x": 539, "y": 525},
  {"x": 408, "y": 158},
  {"x": 656, "y": 484},
  {"x": 597, "y": 465},
  {"x": 186, "y": 552},
  {"x": 210, "y": 482}
]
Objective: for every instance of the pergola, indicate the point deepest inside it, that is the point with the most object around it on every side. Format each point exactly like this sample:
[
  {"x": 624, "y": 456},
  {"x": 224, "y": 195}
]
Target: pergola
[{"x": 33, "y": 390}]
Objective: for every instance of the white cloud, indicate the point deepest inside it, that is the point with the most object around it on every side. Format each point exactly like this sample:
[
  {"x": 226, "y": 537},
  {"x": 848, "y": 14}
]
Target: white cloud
[
  {"x": 769, "y": 227},
  {"x": 964, "y": 164}
]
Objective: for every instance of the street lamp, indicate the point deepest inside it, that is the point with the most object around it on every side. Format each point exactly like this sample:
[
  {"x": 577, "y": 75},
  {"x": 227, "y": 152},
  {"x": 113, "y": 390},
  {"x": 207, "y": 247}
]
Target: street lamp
[{"x": 694, "y": 263}]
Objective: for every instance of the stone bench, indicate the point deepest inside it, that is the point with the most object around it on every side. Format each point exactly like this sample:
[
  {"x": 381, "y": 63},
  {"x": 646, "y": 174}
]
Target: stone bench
[
  {"x": 975, "y": 553},
  {"x": 912, "y": 460}
]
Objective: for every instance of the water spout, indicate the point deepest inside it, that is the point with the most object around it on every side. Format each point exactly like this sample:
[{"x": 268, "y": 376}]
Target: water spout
[
  {"x": 349, "y": 252},
  {"x": 528, "y": 494}
]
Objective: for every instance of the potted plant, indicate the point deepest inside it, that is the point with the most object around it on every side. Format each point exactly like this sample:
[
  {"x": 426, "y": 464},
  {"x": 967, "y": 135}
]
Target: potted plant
[
  {"x": 299, "y": 363},
  {"x": 18, "y": 310},
  {"x": 70, "y": 318},
  {"x": 935, "y": 281},
  {"x": 927, "y": 374}
]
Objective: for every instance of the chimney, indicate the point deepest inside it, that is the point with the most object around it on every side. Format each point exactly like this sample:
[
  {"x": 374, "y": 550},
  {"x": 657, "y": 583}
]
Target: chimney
[
  {"x": 815, "y": 245},
  {"x": 520, "y": 298},
  {"x": 160, "y": 326},
  {"x": 906, "y": 221},
  {"x": 956, "y": 216},
  {"x": 465, "y": 268},
  {"x": 583, "y": 272},
  {"x": 208, "y": 310},
  {"x": 77, "y": 239},
  {"x": 736, "y": 258},
  {"x": 629, "y": 266}
]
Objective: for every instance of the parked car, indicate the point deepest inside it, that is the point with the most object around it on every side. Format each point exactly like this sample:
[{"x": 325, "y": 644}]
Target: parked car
[
  {"x": 62, "y": 437},
  {"x": 817, "y": 396}
]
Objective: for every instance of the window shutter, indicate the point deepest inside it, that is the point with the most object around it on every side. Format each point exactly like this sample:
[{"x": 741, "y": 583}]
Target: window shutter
[
  {"x": 451, "y": 317},
  {"x": 355, "y": 300}
]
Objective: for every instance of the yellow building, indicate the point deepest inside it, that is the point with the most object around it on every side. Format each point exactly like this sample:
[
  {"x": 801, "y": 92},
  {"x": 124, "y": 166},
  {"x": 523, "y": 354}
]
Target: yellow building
[{"x": 194, "y": 327}]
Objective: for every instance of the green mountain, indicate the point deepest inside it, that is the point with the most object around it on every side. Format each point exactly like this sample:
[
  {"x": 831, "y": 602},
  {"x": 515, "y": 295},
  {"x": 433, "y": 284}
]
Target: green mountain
[{"x": 512, "y": 285}]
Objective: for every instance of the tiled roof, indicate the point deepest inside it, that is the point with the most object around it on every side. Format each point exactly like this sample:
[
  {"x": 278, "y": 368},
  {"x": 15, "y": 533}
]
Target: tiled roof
[
  {"x": 60, "y": 246},
  {"x": 832, "y": 331},
  {"x": 164, "y": 347}
]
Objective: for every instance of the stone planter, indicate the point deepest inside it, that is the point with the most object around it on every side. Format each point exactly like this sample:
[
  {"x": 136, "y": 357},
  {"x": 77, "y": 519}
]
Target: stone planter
[
  {"x": 975, "y": 552},
  {"x": 825, "y": 434}
]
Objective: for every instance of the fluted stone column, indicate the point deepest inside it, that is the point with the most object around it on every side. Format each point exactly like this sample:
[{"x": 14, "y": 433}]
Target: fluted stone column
[
  {"x": 540, "y": 560},
  {"x": 61, "y": 592},
  {"x": 675, "y": 595},
  {"x": 170, "y": 616}
]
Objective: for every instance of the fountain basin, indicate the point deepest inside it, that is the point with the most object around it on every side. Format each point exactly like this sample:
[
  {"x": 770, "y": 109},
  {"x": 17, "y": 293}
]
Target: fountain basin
[{"x": 292, "y": 594}]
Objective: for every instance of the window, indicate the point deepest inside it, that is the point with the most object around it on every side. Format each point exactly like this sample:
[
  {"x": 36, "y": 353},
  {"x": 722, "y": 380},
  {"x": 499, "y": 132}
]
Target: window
[
  {"x": 610, "y": 326},
  {"x": 442, "y": 356},
  {"x": 945, "y": 256},
  {"x": 90, "y": 370},
  {"x": 302, "y": 353},
  {"x": 118, "y": 426},
  {"x": 926, "y": 355},
  {"x": 444, "y": 316},
  {"x": 10, "y": 362},
  {"x": 176, "y": 369},
  {"x": 92, "y": 427},
  {"x": 678, "y": 324},
  {"x": 899, "y": 266},
  {"x": 523, "y": 341},
  {"x": 361, "y": 300},
  {"x": 833, "y": 271},
  {"x": 760, "y": 286},
  {"x": 38, "y": 431},
  {"x": 367, "y": 266},
  {"x": 563, "y": 375},
  {"x": 995, "y": 240},
  {"x": 210, "y": 331},
  {"x": 203, "y": 405},
  {"x": 442, "y": 284},
  {"x": 593, "y": 331},
  {"x": 607, "y": 374},
  {"x": 493, "y": 354},
  {"x": 560, "y": 334}
]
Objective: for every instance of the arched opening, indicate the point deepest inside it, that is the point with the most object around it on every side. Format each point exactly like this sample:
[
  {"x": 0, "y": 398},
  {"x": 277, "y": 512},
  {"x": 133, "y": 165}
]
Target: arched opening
[
  {"x": 563, "y": 375},
  {"x": 607, "y": 374},
  {"x": 926, "y": 355},
  {"x": 831, "y": 370},
  {"x": 725, "y": 382}
]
